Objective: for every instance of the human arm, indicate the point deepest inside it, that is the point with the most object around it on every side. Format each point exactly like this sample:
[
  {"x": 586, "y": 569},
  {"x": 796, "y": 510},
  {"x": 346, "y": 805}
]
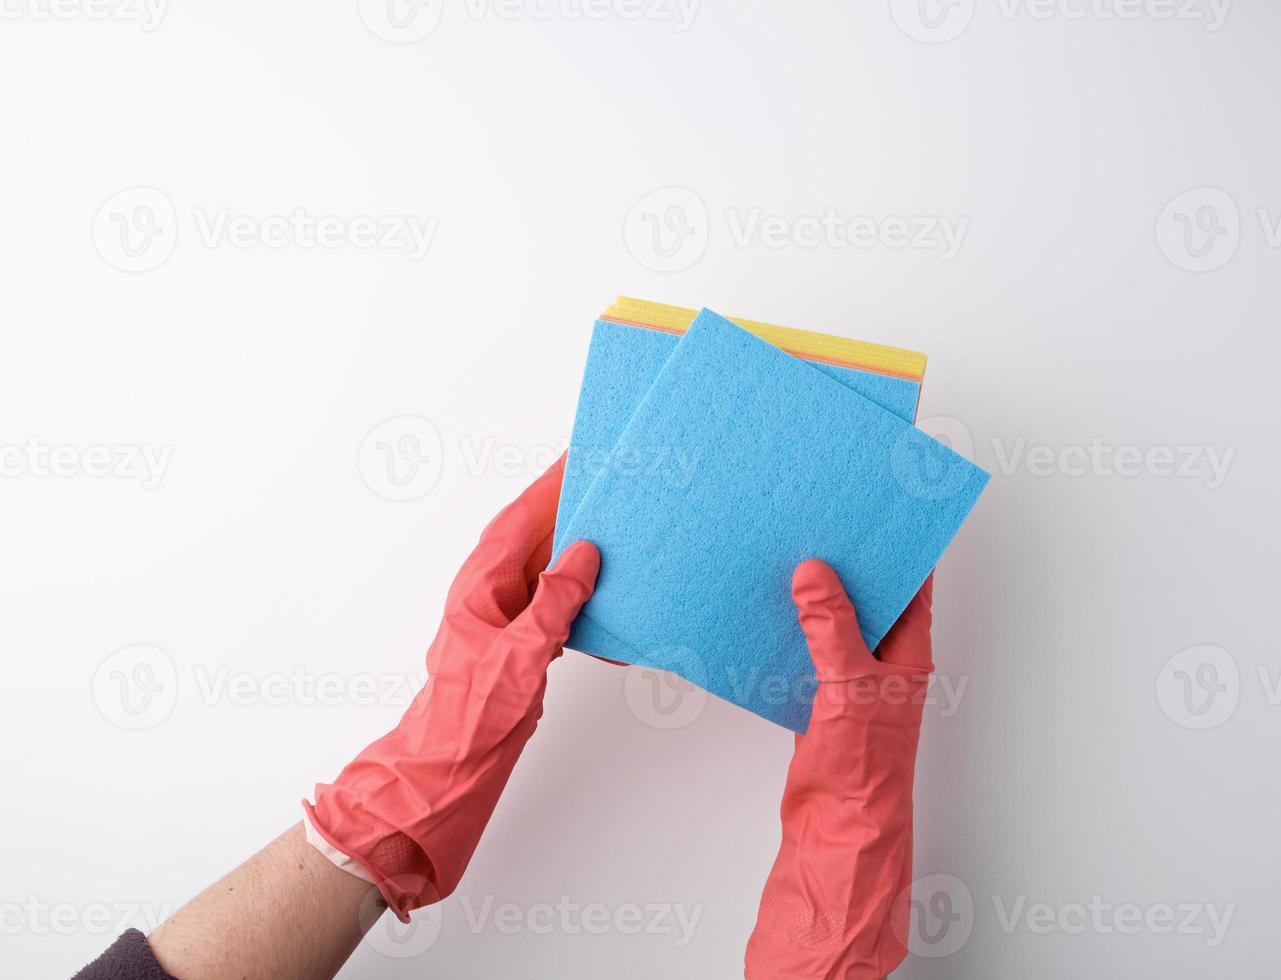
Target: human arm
[
  {"x": 405, "y": 816},
  {"x": 287, "y": 912}
]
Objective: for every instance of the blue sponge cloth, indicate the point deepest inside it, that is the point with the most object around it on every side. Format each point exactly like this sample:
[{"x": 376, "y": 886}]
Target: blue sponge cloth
[
  {"x": 739, "y": 463},
  {"x": 622, "y": 363}
]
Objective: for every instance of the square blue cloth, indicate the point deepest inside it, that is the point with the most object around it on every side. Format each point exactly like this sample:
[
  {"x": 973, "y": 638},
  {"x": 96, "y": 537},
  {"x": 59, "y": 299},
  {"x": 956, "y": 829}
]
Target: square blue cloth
[
  {"x": 622, "y": 362},
  {"x": 780, "y": 463}
]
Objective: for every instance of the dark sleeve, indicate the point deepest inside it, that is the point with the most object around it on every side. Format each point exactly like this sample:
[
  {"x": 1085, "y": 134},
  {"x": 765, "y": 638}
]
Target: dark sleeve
[{"x": 128, "y": 958}]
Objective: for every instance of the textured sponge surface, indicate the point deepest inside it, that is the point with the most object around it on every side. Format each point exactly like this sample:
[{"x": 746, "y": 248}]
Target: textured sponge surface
[
  {"x": 778, "y": 462},
  {"x": 622, "y": 363}
]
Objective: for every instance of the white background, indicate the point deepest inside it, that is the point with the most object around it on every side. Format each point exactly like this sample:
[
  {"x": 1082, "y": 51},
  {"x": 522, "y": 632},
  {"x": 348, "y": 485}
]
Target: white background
[{"x": 1090, "y": 300}]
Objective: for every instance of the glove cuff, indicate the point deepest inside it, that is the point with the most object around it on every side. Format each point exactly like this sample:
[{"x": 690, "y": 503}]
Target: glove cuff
[{"x": 389, "y": 859}]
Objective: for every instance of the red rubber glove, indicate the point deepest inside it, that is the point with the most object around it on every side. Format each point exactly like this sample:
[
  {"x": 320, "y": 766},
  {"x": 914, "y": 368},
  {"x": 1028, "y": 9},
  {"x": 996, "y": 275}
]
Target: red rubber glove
[
  {"x": 835, "y": 904},
  {"x": 411, "y": 807}
]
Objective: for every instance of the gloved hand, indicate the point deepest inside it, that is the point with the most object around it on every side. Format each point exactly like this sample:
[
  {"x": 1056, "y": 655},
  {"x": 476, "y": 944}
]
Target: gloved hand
[
  {"x": 410, "y": 809},
  {"x": 835, "y": 904}
]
